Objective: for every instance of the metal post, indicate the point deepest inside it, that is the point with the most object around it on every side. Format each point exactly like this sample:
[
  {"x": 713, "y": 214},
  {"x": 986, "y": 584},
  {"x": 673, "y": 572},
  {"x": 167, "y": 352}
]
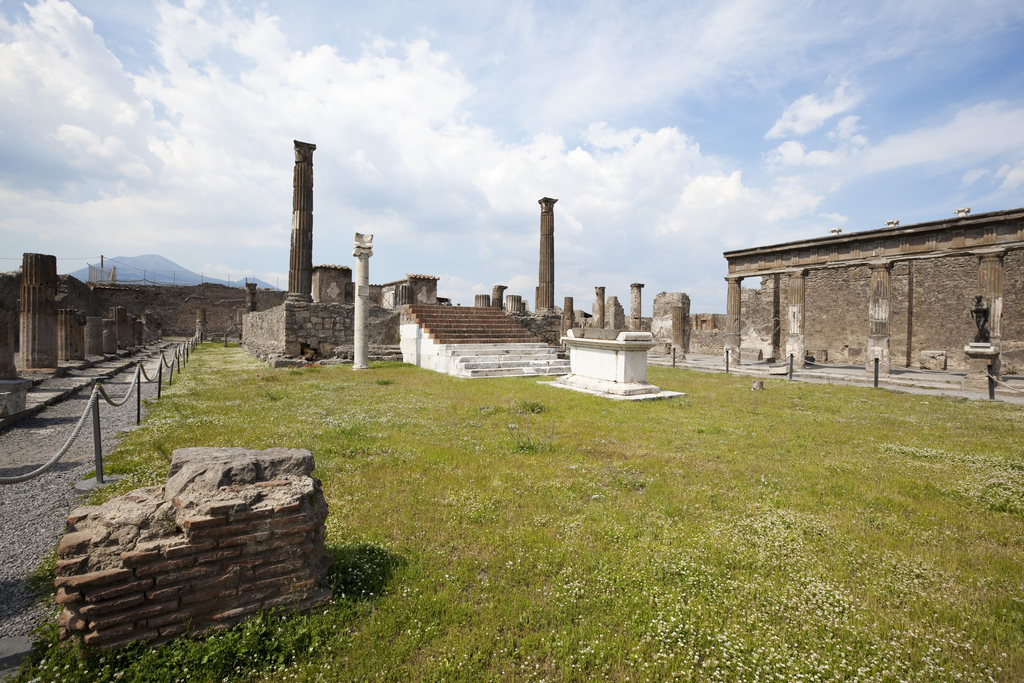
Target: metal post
[
  {"x": 159, "y": 377},
  {"x": 727, "y": 361},
  {"x": 876, "y": 372},
  {"x": 225, "y": 339},
  {"x": 673, "y": 356},
  {"x": 138, "y": 393},
  {"x": 991, "y": 385},
  {"x": 790, "y": 367},
  {"x": 170, "y": 377},
  {"x": 97, "y": 442}
]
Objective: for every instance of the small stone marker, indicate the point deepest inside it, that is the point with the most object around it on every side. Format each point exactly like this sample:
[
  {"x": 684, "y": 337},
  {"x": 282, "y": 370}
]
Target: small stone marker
[{"x": 757, "y": 384}]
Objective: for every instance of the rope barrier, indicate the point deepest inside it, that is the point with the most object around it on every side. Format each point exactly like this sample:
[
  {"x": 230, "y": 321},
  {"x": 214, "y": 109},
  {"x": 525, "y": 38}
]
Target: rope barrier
[
  {"x": 64, "y": 449},
  {"x": 118, "y": 404},
  {"x": 999, "y": 381}
]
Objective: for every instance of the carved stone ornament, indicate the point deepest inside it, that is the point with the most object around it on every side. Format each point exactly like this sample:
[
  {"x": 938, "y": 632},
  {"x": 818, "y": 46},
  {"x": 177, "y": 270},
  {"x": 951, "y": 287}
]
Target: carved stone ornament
[{"x": 363, "y": 245}]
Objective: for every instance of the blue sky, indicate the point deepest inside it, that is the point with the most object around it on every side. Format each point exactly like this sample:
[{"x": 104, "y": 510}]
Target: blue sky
[{"x": 669, "y": 131}]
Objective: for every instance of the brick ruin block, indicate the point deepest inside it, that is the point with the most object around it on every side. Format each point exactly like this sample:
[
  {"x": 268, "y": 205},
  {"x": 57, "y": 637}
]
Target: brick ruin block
[{"x": 232, "y": 532}]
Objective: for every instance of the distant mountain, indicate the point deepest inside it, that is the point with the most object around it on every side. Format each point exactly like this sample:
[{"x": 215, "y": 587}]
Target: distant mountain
[{"x": 156, "y": 270}]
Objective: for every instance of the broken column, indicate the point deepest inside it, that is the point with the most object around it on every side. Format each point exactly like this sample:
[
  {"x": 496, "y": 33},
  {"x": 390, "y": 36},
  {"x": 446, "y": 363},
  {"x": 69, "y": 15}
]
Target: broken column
[
  {"x": 513, "y": 303},
  {"x": 635, "y": 309},
  {"x": 615, "y": 317},
  {"x": 94, "y": 336},
  {"x": 362, "y": 250},
  {"x": 732, "y": 324},
  {"x": 498, "y": 295},
  {"x": 250, "y": 296},
  {"x": 795, "y": 340},
  {"x": 119, "y": 314},
  {"x": 13, "y": 389},
  {"x": 300, "y": 263},
  {"x": 137, "y": 332},
  {"x": 201, "y": 323},
  {"x": 70, "y": 345},
  {"x": 878, "y": 318},
  {"x": 109, "y": 336},
  {"x": 482, "y": 301},
  {"x": 546, "y": 281},
  {"x": 38, "y": 311},
  {"x": 680, "y": 330},
  {"x": 599, "y": 308},
  {"x": 567, "y": 315}
]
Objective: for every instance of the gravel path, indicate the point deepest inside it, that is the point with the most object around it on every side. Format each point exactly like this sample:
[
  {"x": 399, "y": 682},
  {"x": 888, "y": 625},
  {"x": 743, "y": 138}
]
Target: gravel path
[{"x": 32, "y": 513}]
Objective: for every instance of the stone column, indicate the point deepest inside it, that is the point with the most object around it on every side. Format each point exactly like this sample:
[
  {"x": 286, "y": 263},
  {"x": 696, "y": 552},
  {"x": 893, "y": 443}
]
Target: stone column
[
  {"x": 94, "y": 336},
  {"x": 878, "y": 318},
  {"x": 137, "y": 332},
  {"x": 201, "y": 323},
  {"x": 362, "y": 250},
  {"x": 795, "y": 341},
  {"x": 681, "y": 330},
  {"x": 250, "y": 296},
  {"x": 599, "y": 308},
  {"x": 300, "y": 263},
  {"x": 109, "y": 336},
  {"x": 70, "y": 339},
  {"x": 513, "y": 303},
  {"x": 13, "y": 390},
  {"x": 567, "y": 315},
  {"x": 119, "y": 314},
  {"x": 732, "y": 324},
  {"x": 546, "y": 286},
  {"x": 38, "y": 311},
  {"x": 498, "y": 295},
  {"x": 404, "y": 295},
  {"x": 482, "y": 301},
  {"x": 635, "y": 310},
  {"x": 990, "y": 286}
]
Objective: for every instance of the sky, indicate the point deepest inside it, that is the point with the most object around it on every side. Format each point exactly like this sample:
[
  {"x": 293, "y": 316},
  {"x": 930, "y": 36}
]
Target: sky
[{"x": 668, "y": 131}]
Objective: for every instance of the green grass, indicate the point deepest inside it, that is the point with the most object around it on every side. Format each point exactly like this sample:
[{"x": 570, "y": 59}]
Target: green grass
[{"x": 503, "y": 530}]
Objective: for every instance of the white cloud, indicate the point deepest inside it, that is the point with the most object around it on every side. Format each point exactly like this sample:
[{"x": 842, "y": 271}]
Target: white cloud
[
  {"x": 1013, "y": 176},
  {"x": 811, "y": 111},
  {"x": 974, "y": 175}
]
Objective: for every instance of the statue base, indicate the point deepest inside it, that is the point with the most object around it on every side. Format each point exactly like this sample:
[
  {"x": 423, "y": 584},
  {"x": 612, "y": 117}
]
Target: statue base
[{"x": 980, "y": 356}]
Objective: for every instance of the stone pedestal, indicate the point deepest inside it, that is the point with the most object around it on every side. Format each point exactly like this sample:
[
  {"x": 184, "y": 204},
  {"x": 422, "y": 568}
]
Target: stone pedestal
[
  {"x": 94, "y": 336},
  {"x": 611, "y": 363},
  {"x": 979, "y": 357},
  {"x": 599, "y": 308},
  {"x": 300, "y": 263},
  {"x": 109, "y": 336},
  {"x": 482, "y": 301},
  {"x": 38, "y": 312},
  {"x": 362, "y": 250}
]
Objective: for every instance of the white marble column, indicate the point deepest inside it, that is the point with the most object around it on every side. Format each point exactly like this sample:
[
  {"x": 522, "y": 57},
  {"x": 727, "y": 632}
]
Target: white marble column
[{"x": 362, "y": 250}]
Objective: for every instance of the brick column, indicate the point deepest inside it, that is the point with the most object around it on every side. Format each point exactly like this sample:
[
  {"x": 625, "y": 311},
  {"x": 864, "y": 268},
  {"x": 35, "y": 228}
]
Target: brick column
[
  {"x": 635, "y": 308},
  {"x": 498, "y": 295},
  {"x": 732, "y": 324},
  {"x": 878, "y": 318},
  {"x": 568, "y": 315},
  {"x": 362, "y": 250},
  {"x": 599, "y": 308},
  {"x": 38, "y": 311},
  {"x": 300, "y": 262},
  {"x": 796, "y": 343}
]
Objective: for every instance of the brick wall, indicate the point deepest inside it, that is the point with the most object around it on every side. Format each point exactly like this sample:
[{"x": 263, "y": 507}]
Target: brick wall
[{"x": 232, "y": 532}]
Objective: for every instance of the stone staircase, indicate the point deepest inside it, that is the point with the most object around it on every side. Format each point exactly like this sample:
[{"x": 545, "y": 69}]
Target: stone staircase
[{"x": 475, "y": 342}]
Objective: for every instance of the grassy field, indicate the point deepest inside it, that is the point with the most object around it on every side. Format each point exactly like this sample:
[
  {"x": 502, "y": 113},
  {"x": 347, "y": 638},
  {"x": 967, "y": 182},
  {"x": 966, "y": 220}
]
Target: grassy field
[{"x": 502, "y": 530}]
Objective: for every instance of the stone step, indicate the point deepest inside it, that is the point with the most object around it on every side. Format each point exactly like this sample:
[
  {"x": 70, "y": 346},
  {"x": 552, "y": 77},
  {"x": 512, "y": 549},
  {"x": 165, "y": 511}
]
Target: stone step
[
  {"x": 517, "y": 372},
  {"x": 490, "y": 365},
  {"x": 490, "y": 348}
]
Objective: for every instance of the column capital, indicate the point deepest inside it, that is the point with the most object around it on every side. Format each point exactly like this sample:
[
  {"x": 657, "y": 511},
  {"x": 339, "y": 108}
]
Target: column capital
[
  {"x": 599, "y": 291},
  {"x": 799, "y": 272},
  {"x": 992, "y": 257},
  {"x": 880, "y": 265},
  {"x": 363, "y": 247},
  {"x": 734, "y": 279},
  {"x": 637, "y": 285},
  {"x": 547, "y": 205},
  {"x": 304, "y": 151}
]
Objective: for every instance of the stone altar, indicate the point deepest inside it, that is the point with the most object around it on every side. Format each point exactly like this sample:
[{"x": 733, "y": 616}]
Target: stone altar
[{"x": 610, "y": 363}]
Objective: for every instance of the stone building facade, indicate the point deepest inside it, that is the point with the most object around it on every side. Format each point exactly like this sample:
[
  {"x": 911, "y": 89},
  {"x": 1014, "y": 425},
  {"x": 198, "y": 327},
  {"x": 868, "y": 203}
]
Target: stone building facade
[{"x": 902, "y": 294}]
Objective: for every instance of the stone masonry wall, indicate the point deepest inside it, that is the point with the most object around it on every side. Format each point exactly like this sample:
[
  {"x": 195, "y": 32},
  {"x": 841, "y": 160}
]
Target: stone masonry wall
[
  {"x": 316, "y": 330},
  {"x": 232, "y": 532},
  {"x": 263, "y": 331},
  {"x": 547, "y": 324}
]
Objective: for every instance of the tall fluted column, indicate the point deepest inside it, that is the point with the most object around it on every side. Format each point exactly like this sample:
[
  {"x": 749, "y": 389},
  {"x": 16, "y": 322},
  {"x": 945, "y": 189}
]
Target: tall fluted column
[
  {"x": 300, "y": 263},
  {"x": 599, "y": 308},
  {"x": 38, "y": 311},
  {"x": 796, "y": 343},
  {"x": 546, "y": 285},
  {"x": 878, "y": 317},
  {"x": 362, "y": 250},
  {"x": 732, "y": 321},
  {"x": 635, "y": 308},
  {"x": 990, "y": 286}
]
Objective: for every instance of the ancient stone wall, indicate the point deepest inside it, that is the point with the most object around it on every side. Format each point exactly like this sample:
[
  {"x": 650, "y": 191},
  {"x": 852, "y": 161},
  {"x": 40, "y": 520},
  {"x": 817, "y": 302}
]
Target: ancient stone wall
[
  {"x": 547, "y": 324},
  {"x": 707, "y": 341},
  {"x": 263, "y": 331},
  {"x": 316, "y": 330},
  {"x": 1013, "y": 310},
  {"x": 232, "y": 532}
]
